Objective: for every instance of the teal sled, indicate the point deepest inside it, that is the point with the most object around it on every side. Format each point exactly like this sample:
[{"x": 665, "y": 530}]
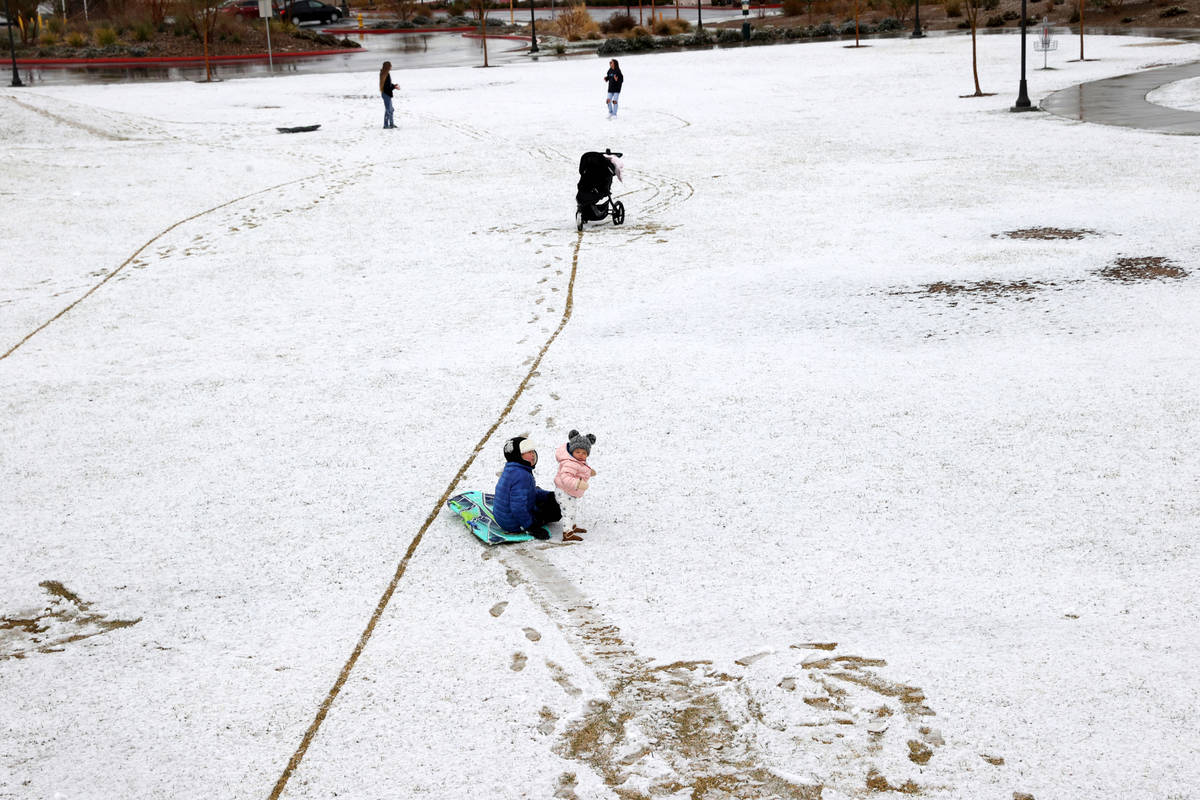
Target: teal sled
[{"x": 475, "y": 510}]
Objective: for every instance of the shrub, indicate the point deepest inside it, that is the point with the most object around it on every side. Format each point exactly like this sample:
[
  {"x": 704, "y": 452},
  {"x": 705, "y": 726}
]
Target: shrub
[
  {"x": 728, "y": 36},
  {"x": 661, "y": 28},
  {"x": 56, "y": 25},
  {"x": 1011, "y": 15},
  {"x": 106, "y": 37},
  {"x": 766, "y": 33},
  {"x": 613, "y": 46},
  {"x": 825, "y": 29},
  {"x": 143, "y": 31},
  {"x": 618, "y": 23},
  {"x": 47, "y": 39},
  {"x": 1126, "y": 20},
  {"x": 457, "y": 8},
  {"x": 962, "y": 26},
  {"x": 699, "y": 39},
  {"x": 639, "y": 33},
  {"x": 953, "y": 8},
  {"x": 76, "y": 39},
  {"x": 994, "y": 21},
  {"x": 575, "y": 23},
  {"x": 1173, "y": 11},
  {"x": 990, "y": 5},
  {"x": 889, "y": 24}
]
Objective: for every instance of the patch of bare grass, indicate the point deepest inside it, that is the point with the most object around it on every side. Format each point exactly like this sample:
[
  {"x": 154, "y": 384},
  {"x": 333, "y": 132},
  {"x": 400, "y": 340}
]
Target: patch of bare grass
[
  {"x": 1128, "y": 269},
  {"x": 1047, "y": 233}
]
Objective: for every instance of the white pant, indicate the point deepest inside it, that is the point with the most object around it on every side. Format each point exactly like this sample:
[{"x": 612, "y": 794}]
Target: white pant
[{"x": 569, "y": 506}]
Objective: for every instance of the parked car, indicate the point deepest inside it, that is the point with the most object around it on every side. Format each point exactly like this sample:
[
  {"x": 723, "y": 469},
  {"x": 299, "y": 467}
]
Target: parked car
[
  {"x": 310, "y": 11},
  {"x": 245, "y": 8}
]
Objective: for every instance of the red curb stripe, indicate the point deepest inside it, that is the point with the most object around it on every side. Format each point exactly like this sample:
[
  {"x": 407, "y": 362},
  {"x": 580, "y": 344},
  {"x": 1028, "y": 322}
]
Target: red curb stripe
[
  {"x": 169, "y": 60},
  {"x": 347, "y": 31},
  {"x": 496, "y": 36}
]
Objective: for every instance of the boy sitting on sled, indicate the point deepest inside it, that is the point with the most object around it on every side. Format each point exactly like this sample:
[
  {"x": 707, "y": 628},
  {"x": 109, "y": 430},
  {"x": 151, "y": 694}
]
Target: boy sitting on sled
[{"x": 520, "y": 505}]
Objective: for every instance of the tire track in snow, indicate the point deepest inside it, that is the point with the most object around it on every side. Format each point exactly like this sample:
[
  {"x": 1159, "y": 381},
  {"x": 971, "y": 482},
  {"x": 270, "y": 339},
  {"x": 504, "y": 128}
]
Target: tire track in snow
[{"x": 135, "y": 258}]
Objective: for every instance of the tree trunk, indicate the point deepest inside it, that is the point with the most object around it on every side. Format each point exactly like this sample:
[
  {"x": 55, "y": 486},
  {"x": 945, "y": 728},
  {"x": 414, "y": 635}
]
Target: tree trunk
[
  {"x": 483, "y": 31},
  {"x": 207, "y": 65},
  {"x": 975, "y": 62},
  {"x": 1081, "y": 2}
]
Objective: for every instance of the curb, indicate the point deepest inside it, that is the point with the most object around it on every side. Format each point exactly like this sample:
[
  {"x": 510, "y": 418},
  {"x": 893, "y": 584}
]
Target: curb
[
  {"x": 150, "y": 61},
  {"x": 348, "y": 31}
]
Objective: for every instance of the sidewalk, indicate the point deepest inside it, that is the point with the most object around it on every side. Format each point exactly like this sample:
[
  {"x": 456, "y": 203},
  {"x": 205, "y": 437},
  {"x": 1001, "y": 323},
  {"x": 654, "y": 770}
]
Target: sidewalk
[{"x": 1122, "y": 101}]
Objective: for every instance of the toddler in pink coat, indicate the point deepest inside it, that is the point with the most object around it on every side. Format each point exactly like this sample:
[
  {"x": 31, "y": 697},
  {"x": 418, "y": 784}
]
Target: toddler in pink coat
[{"x": 572, "y": 480}]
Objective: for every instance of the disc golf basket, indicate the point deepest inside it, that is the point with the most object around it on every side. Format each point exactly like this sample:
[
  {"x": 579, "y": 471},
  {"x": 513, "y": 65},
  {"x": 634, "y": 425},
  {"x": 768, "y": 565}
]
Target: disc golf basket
[{"x": 1044, "y": 44}]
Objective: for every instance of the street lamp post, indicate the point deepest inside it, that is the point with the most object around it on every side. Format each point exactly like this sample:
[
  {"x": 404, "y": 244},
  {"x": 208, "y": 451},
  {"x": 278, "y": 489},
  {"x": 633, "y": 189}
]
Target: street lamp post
[
  {"x": 745, "y": 20},
  {"x": 1023, "y": 103},
  {"x": 699, "y": 16},
  {"x": 917, "y": 32},
  {"x": 12, "y": 47},
  {"x": 532, "y": 29}
]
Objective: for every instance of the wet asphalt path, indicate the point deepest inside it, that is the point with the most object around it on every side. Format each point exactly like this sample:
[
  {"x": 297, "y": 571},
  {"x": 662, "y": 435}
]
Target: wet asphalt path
[{"x": 1122, "y": 101}]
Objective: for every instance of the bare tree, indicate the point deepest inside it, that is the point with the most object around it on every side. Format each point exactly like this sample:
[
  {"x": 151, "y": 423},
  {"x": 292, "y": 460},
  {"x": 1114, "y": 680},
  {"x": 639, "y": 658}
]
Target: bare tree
[
  {"x": 203, "y": 15},
  {"x": 156, "y": 10},
  {"x": 405, "y": 10},
  {"x": 480, "y": 8},
  {"x": 900, "y": 8},
  {"x": 1081, "y": 3},
  {"x": 25, "y": 19},
  {"x": 973, "y": 7}
]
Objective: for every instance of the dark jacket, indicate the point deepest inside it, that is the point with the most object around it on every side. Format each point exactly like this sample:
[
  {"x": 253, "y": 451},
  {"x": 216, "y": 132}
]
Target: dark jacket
[
  {"x": 388, "y": 86},
  {"x": 615, "y": 79},
  {"x": 516, "y": 497}
]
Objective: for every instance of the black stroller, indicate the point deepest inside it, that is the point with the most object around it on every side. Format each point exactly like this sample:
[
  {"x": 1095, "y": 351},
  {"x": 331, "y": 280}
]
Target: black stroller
[{"x": 593, "y": 199}]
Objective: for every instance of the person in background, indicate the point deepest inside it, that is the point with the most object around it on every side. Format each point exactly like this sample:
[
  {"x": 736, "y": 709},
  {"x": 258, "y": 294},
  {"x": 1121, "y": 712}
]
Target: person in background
[
  {"x": 385, "y": 88},
  {"x": 615, "y": 81}
]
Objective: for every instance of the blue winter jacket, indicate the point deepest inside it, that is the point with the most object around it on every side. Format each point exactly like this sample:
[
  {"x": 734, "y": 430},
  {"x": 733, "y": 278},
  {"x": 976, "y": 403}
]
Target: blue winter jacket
[{"x": 516, "y": 497}]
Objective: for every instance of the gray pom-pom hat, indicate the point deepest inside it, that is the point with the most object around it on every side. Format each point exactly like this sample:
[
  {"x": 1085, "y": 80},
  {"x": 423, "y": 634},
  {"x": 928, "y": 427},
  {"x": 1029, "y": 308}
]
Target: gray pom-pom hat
[{"x": 579, "y": 441}]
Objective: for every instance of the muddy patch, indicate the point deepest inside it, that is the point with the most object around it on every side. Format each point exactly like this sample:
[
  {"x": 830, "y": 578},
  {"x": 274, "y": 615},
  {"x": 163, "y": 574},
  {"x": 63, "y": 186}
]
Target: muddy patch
[
  {"x": 985, "y": 291},
  {"x": 799, "y": 722},
  {"x": 62, "y": 619},
  {"x": 1047, "y": 233},
  {"x": 1146, "y": 268}
]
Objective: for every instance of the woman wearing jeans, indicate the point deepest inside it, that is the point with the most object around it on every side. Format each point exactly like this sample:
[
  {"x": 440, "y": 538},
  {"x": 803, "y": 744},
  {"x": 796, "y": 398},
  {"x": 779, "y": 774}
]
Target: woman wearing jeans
[
  {"x": 615, "y": 79},
  {"x": 385, "y": 88}
]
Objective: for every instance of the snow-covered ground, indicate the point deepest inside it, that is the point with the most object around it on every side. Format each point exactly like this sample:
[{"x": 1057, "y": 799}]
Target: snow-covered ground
[
  {"x": 886, "y": 496},
  {"x": 1184, "y": 95}
]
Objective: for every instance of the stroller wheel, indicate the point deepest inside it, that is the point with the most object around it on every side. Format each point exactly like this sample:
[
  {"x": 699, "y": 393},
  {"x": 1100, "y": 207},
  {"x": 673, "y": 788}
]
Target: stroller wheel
[
  {"x": 618, "y": 213},
  {"x": 578, "y": 220}
]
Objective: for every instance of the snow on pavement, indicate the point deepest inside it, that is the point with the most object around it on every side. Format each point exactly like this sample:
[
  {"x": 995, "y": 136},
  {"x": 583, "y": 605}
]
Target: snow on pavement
[{"x": 888, "y": 495}]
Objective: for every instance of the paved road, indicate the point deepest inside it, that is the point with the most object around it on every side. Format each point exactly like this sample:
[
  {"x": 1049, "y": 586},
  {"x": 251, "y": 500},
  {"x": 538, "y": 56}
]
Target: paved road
[{"x": 1122, "y": 101}]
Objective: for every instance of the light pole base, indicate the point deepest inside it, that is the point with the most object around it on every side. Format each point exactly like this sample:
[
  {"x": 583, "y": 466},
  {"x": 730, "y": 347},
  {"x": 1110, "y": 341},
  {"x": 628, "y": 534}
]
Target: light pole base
[
  {"x": 917, "y": 35},
  {"x": 1023, "y": 103}
]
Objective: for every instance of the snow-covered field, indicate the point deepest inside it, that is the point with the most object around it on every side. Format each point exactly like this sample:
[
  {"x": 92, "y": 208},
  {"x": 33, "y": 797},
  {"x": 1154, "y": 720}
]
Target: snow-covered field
[{"x": 887, "y": 497}]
